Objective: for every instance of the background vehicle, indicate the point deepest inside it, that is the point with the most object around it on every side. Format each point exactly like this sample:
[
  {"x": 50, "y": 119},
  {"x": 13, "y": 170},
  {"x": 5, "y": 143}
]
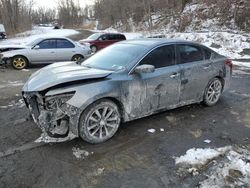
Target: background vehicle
[
  {"x": 98, "y": 41},
  {"x": 46, "y": 50},
  {"x": 2, "y": 32},
  {"x": 123, "y": 82}
]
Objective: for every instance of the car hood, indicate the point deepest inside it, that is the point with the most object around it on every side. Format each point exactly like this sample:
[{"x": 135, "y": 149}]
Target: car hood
[
  {"x": 13, "y": 46},
  {"x": 60, "y": 73},
  {"x": 12, "y": 53}
]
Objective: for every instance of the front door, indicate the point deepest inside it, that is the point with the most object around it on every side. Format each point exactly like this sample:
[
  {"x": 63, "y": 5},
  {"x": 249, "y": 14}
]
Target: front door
[
  {"x": 163, "y": 85},
  {"x": 44, "y": 52}
]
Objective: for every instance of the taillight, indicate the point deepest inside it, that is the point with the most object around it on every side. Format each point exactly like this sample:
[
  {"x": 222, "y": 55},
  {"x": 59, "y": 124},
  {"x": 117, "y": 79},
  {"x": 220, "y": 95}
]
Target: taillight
[{"x": 229, "y": 63}]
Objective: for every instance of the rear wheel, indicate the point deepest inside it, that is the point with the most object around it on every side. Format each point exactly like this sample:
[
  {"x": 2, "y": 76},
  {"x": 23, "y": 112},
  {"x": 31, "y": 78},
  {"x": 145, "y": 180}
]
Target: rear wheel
[
  {"x": 213, "y": 92},
  {"x": 19, "y": 62},
  {"x": 99, "y": 122},
  {"x": 93, "y": 49},
  {"x": 77, "y": 58}
]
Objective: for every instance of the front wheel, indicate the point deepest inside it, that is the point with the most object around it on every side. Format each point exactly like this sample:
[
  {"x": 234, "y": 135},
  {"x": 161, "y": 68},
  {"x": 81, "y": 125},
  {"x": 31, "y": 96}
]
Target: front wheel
[
  {"x": 213, "y": 92},
  {"x": 19, "y": 62},
  {"x": 99, "y": 122}
]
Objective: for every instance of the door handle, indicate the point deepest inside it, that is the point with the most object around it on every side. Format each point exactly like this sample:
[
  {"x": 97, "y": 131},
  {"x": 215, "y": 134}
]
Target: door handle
[{"x": 174, "y": 75}]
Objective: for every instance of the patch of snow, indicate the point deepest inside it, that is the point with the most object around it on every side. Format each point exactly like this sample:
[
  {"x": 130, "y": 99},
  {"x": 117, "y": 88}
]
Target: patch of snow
[
  {"x": 243, "y": 64},
  {"x": 99, "y": 171},
  {"x": 225, "y": 43},
  {"x": 198, "y": 156},
  {"x": 47, "y": 139},
  {"x": 151, "y": 130},
  {"x": 234, "y": 171},
  {"x": 207, "y": 141},
  {"x": 231, "y": 170},
  {"x": 25, "y": 70},
  {"x": 130, "y": 36},
  {"x": 79, "y": 153}
]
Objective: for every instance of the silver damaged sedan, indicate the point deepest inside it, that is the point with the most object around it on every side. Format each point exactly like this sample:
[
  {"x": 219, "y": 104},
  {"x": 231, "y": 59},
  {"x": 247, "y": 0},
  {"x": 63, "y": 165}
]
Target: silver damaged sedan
[
  {"x": 44, "y": 51},
  {"x": 123, "y": 82}
]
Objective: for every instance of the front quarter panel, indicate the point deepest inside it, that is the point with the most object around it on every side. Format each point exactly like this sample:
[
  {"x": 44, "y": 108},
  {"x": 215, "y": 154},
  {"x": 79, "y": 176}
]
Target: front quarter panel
[{"x": 86, "y": 94}]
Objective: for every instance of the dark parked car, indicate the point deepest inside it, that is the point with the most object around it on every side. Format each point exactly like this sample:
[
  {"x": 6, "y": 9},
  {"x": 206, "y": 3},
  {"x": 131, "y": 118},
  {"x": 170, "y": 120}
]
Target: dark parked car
[
  {"x": 98, "y": 41},
  {"x": 123, "y": 82},
  {"x": 2, "y": 32}
]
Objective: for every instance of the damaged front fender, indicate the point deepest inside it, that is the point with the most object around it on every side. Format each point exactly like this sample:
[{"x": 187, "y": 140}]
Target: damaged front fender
[{"x": 53, "y": 114}]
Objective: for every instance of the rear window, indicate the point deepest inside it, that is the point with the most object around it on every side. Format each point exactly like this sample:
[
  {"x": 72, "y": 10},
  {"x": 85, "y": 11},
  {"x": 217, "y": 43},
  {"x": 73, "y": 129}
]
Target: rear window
[
  {"x": 62, "y": 43},
  {"x": 189, "y": 53},
  {"x": 121, "y": 37}
]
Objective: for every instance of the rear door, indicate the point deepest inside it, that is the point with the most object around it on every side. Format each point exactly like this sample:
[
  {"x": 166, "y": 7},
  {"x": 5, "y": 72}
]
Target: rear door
[
  {"x": 196, "y": 71},
  {"x": 46, "y": 53},
  {"x": 163, "y": 85},
  {"x": 65, "y": 50}
]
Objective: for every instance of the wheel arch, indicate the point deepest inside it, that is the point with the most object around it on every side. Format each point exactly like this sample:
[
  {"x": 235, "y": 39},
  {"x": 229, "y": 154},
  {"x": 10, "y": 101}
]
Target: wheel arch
[
  {"x": 77, "y": 54},
  {"x": 21, "y": 56},
  {"x": 222, "y": 80},
  {"x": 114, "y": 100}
]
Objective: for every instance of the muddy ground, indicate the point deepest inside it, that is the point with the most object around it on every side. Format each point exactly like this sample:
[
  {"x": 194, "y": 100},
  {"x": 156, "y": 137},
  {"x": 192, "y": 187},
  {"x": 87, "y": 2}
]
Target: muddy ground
[{"x": 133, "y": 158}]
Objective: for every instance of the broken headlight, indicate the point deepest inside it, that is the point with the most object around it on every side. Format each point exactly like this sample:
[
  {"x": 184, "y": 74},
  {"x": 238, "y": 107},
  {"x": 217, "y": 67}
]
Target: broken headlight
[{"x": 58, "y": 101}]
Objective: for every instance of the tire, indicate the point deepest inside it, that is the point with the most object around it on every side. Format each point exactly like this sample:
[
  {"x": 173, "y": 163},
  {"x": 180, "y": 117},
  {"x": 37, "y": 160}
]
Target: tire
[
  {"x": 99, "y": 122},
  {"x": 213, "y": 92},
  {"x": 19, "y": 62},
  {"x": 77, "y": 58},
  {"x": 93, "y": 49}
]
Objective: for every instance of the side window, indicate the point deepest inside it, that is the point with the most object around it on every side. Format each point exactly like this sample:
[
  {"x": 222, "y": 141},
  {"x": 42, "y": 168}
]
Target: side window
[
  {"x": 104, "y": 37},
  {"x": 207, "y": 53},
  {"x": 62, "y": 43},
  {"x": 47, "y": 44},
  {"x": 112, "y": 37},
  {"x": 160, "y": 57},
  {"x": 189, "y": 53}
]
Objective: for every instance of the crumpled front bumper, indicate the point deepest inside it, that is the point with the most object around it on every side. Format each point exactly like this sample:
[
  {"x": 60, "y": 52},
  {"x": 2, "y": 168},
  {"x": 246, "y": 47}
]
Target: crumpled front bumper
[{"x": 57, "y": 125}]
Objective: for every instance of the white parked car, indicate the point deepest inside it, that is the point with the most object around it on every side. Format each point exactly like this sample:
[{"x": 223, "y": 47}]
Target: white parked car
[
  {"x": 45, "y": 51},
  {"x": 2, "y": 32}
]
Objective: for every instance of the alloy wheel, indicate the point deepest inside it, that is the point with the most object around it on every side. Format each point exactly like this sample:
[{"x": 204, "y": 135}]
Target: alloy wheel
[{"x": 214, "y": 91}]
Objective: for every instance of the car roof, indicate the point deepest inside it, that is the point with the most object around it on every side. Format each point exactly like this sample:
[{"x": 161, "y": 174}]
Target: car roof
[
  {"x": 45, "y": 38},
  {"x": 103, "y": 33},
  {"x": 150, "y": 42}
]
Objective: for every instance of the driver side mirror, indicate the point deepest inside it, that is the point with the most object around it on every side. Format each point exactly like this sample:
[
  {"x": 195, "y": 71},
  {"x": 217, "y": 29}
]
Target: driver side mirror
[
  {"x": 36, "y": 47},
  {"x": 144, "y": 69}
]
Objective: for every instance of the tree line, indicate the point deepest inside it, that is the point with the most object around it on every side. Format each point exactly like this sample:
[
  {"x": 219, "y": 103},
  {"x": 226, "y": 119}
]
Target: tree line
[
  {"x": 115, "y": 12},
  {"x": 20, "y": 15}
]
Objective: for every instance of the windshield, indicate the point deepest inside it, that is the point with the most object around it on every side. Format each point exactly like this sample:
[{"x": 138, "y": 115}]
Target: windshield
[
  {"x": 115, "y": 57},
  {"x": 95, "y": 36}
]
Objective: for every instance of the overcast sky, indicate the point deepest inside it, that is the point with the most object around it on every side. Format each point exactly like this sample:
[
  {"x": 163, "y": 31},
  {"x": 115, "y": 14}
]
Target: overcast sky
[{"x": 53, "y": 3}]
